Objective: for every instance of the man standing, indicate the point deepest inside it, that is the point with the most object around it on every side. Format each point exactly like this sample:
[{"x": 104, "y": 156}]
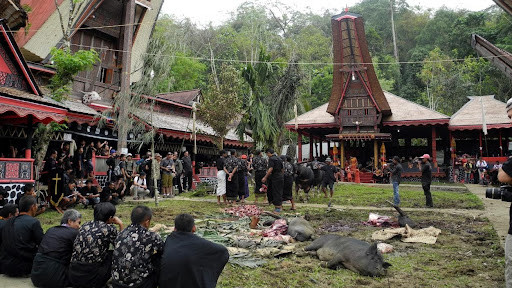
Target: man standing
[
  {"x": 167, "y": 168},
  {"x": 158, "y": 173},
  {"x": 51, "y": 263},
  {"x": 178, "y": 166},
  {"x": 136, "y": 253},
  {"x": 187, "y": 170},
  {"x": 481, "y": 165},
  {"x": 188, "y": 260},
  {"x": 259, "y": 165},
  {"x": 91, "y": 261},
  {"x": 275, "y": 179},
  {"x": 396, "y": 176},
  {"x": 21, "y": 236},
  {"x": 329, "y": 177},
  {"x": 230, "y": 167},
  {"x": 426, "y": 178},
  {"x": 242, "y": 172}
]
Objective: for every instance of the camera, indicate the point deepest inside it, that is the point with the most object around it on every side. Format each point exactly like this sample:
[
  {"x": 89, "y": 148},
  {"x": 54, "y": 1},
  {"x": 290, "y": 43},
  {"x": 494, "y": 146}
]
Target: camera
[{"x": 504, "y": 193}]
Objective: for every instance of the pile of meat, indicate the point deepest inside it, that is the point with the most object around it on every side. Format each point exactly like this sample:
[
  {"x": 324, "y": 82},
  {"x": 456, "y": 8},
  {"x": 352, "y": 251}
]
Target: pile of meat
[
  {"x": 244, "y": 210},
  {"x": 381, "y": 221}
]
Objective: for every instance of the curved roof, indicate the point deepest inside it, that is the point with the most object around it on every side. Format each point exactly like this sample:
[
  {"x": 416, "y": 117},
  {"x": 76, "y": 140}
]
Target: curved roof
[
  {"x": 469, "y": 117},
  {"x": 406, "y": 112},
  {"x": 317, "y": 117}
]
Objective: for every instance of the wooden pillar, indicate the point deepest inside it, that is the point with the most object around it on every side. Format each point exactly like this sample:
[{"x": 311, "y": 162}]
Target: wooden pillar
[
  {"x": 434, "y": 149},
  {"x": 481, "y": 147},
  {"x": 342, "y": 153},
  {"x": 311, "y": 143},
  {"x": 30, "y": 134},
  {"x": 501, "y": 146},
  {"x": 375, "y": 153},
  {"x": 321, "y": 147},
  {"x": 299, "y": 147}
]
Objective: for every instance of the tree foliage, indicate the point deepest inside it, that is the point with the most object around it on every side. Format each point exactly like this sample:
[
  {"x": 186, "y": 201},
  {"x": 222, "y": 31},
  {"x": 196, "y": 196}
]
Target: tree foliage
[
  {"x": 220, "y": 104},
  {"x": 67, "y": 65}
]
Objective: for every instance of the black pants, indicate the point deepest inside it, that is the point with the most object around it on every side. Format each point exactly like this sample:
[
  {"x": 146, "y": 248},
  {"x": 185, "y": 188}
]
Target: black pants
[
  {"x": 258, "y": 175},
  {"x": 287, "y": 187},
  {"x": 275, "y": 189},
  {"x": 187, "y": 180},
  {"x": 90, "y": 274},
  {"x": 232, "y": 187},
  {"x": 241, "y": 184},
  {"x": 428, "y": 195}
]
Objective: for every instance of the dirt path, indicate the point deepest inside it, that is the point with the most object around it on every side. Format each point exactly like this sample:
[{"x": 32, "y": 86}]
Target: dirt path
[{"x": 496, "y": 211}]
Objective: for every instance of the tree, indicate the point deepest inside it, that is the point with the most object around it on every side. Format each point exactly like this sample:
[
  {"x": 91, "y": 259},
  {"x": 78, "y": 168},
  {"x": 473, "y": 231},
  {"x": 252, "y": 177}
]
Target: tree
[
  {"x": 67, "y": 63},
  {"x": 220, "y": 105}
]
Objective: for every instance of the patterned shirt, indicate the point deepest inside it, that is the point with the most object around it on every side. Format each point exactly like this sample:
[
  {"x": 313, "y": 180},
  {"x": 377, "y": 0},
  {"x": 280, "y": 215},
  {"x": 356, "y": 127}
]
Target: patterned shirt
[
  {"x": 259, "y": 163},
  {"x": 242, "y": 166},
  {"x": 288, "y": 168},
  {"x": 135, "y": 251},
  {"x": 92, "y": 243},
  {"x": 231, "y": 163}
]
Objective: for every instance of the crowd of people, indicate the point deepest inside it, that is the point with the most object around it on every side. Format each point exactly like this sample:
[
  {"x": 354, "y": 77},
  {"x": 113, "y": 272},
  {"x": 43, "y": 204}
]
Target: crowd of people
[
  {"x": 71, "y": 254},
  {"x": 125, "y": 176}
]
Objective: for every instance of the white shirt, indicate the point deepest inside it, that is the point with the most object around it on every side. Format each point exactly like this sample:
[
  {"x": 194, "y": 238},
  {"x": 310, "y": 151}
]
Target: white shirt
[{"x": 140, "y": 181}]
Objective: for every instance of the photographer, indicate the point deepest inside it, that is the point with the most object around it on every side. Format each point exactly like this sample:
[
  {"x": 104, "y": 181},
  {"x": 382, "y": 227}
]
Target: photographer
[{"x": 505, "y": 176}]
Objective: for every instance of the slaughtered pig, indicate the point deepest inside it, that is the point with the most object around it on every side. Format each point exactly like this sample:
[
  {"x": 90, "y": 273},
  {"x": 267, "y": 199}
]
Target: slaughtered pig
[
  {"x": 353, "y": 254},
  {"x": 300, "y": 229}
]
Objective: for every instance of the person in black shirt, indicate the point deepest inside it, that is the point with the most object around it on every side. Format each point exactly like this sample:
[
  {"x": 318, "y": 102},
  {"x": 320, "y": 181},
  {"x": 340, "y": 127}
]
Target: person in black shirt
[
  {"x": 88, "y": 168},
  {"x": 242, "y": 172},
  {"x": 7, "y": 212},
  {"x": 187, "y": 171},
  {"x": 189, "y": 260},
  {"x": 51, "y": 263},
  {"x": 49, "y": 166},
  {"x": 288, "y": 180},
  {"x": 329, "y": 178},
  {"x": 259, "y": 165},
  {"x": 221, "y": 177},
  {"x": 275, "y": 179},
  {"x": 230, "y": 167},
  {"x": 90, "y": 193},
  {"x": 396, "y": 176},
  {"x": 109, "y": 194},
  {"x": 21, "y": 236},
  {"x": 426, "y": 178}
]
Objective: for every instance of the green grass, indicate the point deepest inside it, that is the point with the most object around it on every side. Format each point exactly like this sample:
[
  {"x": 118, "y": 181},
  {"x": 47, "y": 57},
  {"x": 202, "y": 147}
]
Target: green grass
[
  {"x": 436, "y": 183},
  {"x": 363, "y": 195},
  {"x": 467, "y": 253}
]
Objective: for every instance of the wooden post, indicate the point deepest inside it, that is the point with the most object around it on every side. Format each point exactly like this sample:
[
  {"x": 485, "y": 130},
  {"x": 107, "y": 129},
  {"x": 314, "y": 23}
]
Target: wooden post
[
  {"x": 375, "y": 153},
  {"x": 321, "y": 147},
  {"x": 434, "y": 149},
  {"x": 481, "y": 147},
  {"x": 311, "y": 143},
  {"x": 342, "y": 153},
  {"x": 501, "y": 146},
  {"x": 299, "y": 147}
]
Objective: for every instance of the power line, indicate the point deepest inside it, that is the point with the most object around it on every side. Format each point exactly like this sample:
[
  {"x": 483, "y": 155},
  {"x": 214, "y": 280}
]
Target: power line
[{"x": 298, "y": 63}]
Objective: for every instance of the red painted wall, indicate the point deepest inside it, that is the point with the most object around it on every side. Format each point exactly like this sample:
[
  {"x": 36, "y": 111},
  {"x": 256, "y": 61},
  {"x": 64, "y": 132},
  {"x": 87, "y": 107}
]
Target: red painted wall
[{"x": 41, "y": 10}]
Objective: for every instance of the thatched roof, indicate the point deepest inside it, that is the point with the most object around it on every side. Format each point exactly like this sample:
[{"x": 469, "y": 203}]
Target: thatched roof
[
  {"x": 317, "y": 117},
  {"x": 406, "y": 112},
  {"x": 182, "y": 97},
  {"x": 469, "y": 117}
]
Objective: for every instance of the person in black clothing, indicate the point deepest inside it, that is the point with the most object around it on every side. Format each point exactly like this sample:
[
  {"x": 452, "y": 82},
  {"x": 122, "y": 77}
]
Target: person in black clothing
[
  {"x": 111, "y": 163},
  {"x": 241, "y": 171},
  {"x": 230, "y": 167},
  {"x": 88, "y": 168},
  {"x": 259, "y": 165},
  {"x": 49, "y": 167},
  {"x": 7, "y": 212},
  {"x": 426, "y": 178},
  {"x": 21, "y": 236},
  {"x": 90, "y": 193},
  {"x": 188, "y": 260},
  {"x": 187, "y": 171},
  {"x": 109, "y": 193},
  {"x": 275, "y": 179},
  {"x": 51, "y": 263},
  {"x": 329, "y": 177},
  {"x": 288, "y": 180}
]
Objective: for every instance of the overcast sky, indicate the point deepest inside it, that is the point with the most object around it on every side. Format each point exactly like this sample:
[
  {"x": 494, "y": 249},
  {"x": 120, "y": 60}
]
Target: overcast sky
[{"x": 203, "y": 12}]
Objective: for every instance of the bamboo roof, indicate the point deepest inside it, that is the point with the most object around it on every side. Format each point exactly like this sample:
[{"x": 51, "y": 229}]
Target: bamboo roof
[{"x": 469, "y": 116}]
